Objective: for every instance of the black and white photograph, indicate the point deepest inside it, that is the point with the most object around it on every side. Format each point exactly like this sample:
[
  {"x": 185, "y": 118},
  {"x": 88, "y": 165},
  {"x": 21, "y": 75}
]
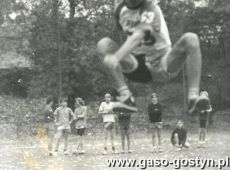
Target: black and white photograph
[{"x": 114, "y": 85}]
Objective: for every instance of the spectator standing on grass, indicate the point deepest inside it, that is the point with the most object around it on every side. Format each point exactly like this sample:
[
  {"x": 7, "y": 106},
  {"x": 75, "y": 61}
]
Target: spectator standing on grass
[
  {"x": 108, "y": 121},
  {"x": 80, "y": 114},
  {"x": 155, "y": 119},
  {"x": 179, "y": 136},
  {"x": 124, "y": 123},
  {"x": 204, "y": 116},
  {"x": 49, "y": 125},
  {"x": 63, "y": 117}
]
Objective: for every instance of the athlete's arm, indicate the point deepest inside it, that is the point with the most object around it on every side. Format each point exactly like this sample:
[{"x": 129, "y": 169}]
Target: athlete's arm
[
  {"x": 209, "y": 109},
  {"x": 156, "y": 23},
  {"x": 101, "y": 109},
  {"x": 83, "y": 114},
  {"x": 56, "y": 116},
  {"x": 72, "y": 116},
  {"x": 184, "y": 137},
  {"x": 172, "y": 136}
]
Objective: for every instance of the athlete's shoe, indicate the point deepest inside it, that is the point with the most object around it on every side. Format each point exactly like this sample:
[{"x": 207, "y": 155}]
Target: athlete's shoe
[
  {"x": 122, "y": 151},
  {"x": 82, "y": 152},
  {"x": 160, "y": 149},
  {"x": 199, "y": 103},
  {"x": 129, "y": 151},
  {"x": 66, "y": 152},
  {"x": 178, "y": 147},
  {"x": 105, "y": 152},
  {"x": 125, "y": 104},
  {"x": 154, "y": 149},
  {"x": 55, "y": 153},
  {"x": 114, "y": 150}
]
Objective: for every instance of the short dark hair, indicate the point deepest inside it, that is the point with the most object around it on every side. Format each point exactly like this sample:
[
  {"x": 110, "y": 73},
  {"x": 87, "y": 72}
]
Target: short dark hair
[{"x": 64, "y": 100}]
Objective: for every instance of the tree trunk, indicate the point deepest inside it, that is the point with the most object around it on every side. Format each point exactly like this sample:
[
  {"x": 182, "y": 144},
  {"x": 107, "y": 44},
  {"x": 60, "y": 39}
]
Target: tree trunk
[
  {"x": 70, "y": 52},
  {"x": 57, "y": 42}
]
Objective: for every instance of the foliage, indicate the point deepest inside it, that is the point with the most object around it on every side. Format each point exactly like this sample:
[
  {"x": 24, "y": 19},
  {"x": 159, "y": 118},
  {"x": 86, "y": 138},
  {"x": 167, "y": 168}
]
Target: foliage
[{"x": 60, "y": 38}]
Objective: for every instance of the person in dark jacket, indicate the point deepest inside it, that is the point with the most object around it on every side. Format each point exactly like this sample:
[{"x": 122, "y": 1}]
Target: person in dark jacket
[
  {"x": 155, "y": 120},
  {"x": 124, "y": 122}
]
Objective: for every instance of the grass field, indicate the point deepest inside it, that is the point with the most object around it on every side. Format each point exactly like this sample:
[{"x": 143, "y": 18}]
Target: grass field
[{"x": 30, "y": 153}]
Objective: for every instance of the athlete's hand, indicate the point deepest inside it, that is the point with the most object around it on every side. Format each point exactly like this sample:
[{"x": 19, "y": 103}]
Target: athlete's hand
[
  {"x": 57, "y": 124},
  {"x": 147, "y": 31}
]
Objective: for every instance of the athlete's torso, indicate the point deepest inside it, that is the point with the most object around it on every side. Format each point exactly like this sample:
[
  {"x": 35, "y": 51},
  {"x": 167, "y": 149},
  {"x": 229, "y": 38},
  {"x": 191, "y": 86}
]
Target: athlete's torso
[
  {"x": 151, "y": 14},
  {"x": 81, "y": 121},
  {"x": 106, "y": 108},
  {"x": 63, "y": 114}
]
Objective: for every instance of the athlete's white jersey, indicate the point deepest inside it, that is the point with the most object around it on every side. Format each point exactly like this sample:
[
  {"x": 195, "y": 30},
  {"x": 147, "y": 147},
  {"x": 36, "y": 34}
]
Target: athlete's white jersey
[{"x": 151, "y": 14}]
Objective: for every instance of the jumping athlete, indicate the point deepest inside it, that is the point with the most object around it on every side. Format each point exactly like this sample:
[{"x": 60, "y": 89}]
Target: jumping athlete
[{"x": 147, "y": 54}]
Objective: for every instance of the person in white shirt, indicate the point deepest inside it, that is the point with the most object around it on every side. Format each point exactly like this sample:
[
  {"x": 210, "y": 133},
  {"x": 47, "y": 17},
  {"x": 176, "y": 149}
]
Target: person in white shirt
[
  {"x": 63, "y": 117},
  {"x": 108, "y": 121}
]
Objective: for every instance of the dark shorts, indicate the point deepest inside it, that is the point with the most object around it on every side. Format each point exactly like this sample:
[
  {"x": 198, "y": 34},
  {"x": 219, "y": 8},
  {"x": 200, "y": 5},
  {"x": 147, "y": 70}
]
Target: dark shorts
[
  {"x": 155, "y": 70},
  {"x": 80, "y": 131},
  {"x": 158, "y": 125},
  {"x": 155, "y": 120},
  {"x": 124, "y": 125},
  {"x": 203, "y": 123},
  {"x": 142, "y": 73}
]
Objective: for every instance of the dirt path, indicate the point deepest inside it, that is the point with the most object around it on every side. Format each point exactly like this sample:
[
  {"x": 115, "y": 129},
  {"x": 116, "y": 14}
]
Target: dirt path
[{"x": 34, "y": 157}]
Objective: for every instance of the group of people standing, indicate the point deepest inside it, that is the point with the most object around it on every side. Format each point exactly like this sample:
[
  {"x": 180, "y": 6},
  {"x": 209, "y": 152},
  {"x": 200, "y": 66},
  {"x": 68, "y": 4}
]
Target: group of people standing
[{"x": 58, "y": 125}]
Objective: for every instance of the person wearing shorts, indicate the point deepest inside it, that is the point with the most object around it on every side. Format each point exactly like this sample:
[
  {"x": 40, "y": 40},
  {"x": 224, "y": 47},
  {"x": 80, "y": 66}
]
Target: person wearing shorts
[
  {"x": 80, "y": 126},
  {"x": 179, "y": 136},
  {"x": 124, "y": 123},
  {"x": 63, "y": 118},
  {"x": 108, "y": 122},
  {"x": 203, "y": 122},
  {"x": 147, "y": 54},
  {"x": 49, "y": 124},
  {"x": 155, "y": 119}
]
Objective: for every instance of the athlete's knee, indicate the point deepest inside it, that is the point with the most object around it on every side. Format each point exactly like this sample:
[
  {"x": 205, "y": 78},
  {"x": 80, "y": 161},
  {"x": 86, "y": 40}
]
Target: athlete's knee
[
  {"x": 106, "y": 46},
  {"x": 109, "y": 62},
  {"x": 191, "y": 39}
]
